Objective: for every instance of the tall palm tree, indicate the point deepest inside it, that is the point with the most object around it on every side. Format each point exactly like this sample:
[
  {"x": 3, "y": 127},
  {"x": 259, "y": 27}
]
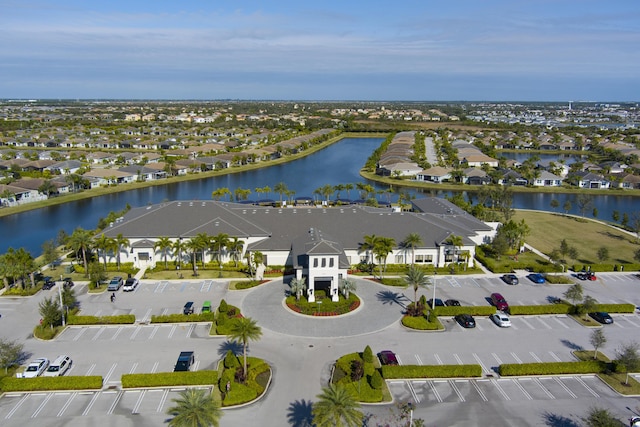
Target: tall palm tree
[
  {"x": 336, "y": 407},
  {"x": 244, "y": 330},
  {"x": 164, "y": 246},
  {"x": 456, "y": 242},
  {"x": 416, "y": 279},
  {"x": 367, "y": 246},
  {"x": 23, "y": 265},
  {"x": 411, "y": 242},
  {"x": 219, "y": 193},
  {"x": 382, "y": 248},
  {"x": 348, "y": 187},
  {"x": 122, "y": 243},
  {"x": 178, "y": 247},
  {"x": 235, "y": 248},
  {"x": 104, "y": 244},
  {"x": 218, "y": 243},
  {"x": 194, "y": 245},
  {"x": 195, "y": 408},
  {"x": 203, "y": 243},
  {"x": 297, "y": 287},
  {"x": 280, "y": 188},
  {"x": 81, "y": 241}
]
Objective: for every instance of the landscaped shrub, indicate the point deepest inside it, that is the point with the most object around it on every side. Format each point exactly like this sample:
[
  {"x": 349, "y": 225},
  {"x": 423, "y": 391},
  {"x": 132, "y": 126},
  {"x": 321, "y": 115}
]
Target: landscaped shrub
[
  {"x": 393, "y": 281},
  {"x": 540, "y": 309},
  {"x": 431, "y": 371},
  {"x": 616, "y": 308},
  {"x": 474, "y": 310},
  {"x": 558, "y": 279},
  {"x": 121, "y": 319},
  {"x": 367, "y": 355},
  {"x": 223, "y": 307},
  {"x": 323, "y": 306},
  {"x": 51, "y": 383},
  {"x": 257, "y": 379},
  {"x": 46, "y": 332},
  {"x": 552, "y": 368},
  {"x": 420, "y": 323},
  {"x": 231, "y": 360},
  {"x": 376, "y": 380},
  {"x": 164, "y": 379},
  {"x": 248, "y": 284},
  {"x": 180, "y": 318}
]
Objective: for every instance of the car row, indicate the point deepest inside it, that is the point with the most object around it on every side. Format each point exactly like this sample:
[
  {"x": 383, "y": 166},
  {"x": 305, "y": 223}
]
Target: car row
[
  {"x": 189, "y": 307},
  {"x": 42, "y": 367}
]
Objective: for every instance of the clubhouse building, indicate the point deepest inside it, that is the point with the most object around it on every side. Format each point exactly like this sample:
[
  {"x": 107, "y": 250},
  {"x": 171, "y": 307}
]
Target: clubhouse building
[{"x": 320, "y": 243}]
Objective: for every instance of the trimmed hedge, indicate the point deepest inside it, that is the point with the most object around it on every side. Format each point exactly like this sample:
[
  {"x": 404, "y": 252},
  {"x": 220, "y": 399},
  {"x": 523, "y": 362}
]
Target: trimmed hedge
[
  {"x": 93, "y": 382},
  {"x": 420, "y": 323},
  {"x": 479, "y": 310},
  {"x": 180, "y": 318},
  {"x": 163, "y": 379},
  {"x": 430, "y": 371},
  {"x": 122, "y": 319},
  {"x": 616, "y": 308},
  {"x": 540, "y": 309},
  {"x": 552, "y": 368}
]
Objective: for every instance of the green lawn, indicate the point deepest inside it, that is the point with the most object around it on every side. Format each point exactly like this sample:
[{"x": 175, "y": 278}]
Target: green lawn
[{"x": 587, "y": 236}]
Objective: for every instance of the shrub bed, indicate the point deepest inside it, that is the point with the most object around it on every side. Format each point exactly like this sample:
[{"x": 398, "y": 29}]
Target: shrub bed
[
  {"x": 51, "y": 383},
  {"x": 552, "y": 368},
  {"x": 324, "y": 308},
  {"x": 163, "y": 379},
  {"x": 122, "y": 319},
  {"x": 179, "y": 318},
  {"x": 18, "y": 291},
  {"x": 540, "y": 309},
  {"x": 480, "y": 310},
  {"x": 616, "y": 308},
  {"x": 558, "y": 279},
  {"x": 363, "y": 388},
  {"x": 431, "y": 371},
  {"x": 46, "y": 332},
  {"x": 420, "y": 323},
  {"x": 258, "y": 374}
]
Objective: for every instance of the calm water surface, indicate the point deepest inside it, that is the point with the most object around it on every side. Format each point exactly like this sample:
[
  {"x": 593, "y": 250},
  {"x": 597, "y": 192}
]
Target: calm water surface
[{"x": 339, "y": 163}]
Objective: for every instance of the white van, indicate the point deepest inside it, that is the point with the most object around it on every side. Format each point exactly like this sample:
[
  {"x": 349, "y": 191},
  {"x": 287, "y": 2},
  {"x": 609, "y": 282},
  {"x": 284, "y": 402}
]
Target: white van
[{"x": 58, "y": 367}]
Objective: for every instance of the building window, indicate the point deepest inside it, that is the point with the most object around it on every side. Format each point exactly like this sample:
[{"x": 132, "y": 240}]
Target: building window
[
  {"x": 399, "y": 259},
  {"x": 315, "y": 262},
  {"x": 143, "y": 256},
  {"x": 324, "y": 262},
  {"x": 330, "y": 262}
]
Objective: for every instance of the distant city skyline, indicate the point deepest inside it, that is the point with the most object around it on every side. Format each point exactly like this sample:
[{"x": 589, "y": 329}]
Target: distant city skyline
[{"x": 494, "y": 50}]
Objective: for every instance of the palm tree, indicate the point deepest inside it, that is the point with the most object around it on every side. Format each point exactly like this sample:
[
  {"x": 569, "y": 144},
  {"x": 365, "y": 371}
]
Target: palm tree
[
  {"x": 104, "y": 244},
  {"x": 219, "y": 193},
  {"x": 336, "y": 407},
  {"x": 456, "y": 242},
  {"x": 235, "y": 247},
  {"x": 164, "y": 246},
  {"x": 416, "y": 279},
  {"x": 195, "y": 408},
  {"x": 326, "y": 191},
  {"x": 244, "y": 330},
  {"x": 122, "y": 243},
  {"x": 81, "y": 241},
  {"x": 280, "y": 188},
  {"x": 347, "y": 286},
  {"x": 178, "y": 247},
  {"x": 411, "y": 242},
  {"x": 382, "y": 248},
  {"x": 368, "y": 245},
  {"x": 217, "y": 244},
  {"x": 297, "y": 287},
  {"x": 348, "y": 187},
  {"x": 195, "y": 245}
]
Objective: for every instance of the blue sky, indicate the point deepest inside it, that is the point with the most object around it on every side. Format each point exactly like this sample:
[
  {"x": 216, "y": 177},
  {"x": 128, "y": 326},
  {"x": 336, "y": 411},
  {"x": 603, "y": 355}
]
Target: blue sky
[{"x": 517, "y": 50}]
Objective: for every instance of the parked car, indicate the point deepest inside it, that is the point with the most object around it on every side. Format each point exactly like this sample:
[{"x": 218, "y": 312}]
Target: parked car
[
  {"x": 510, "y": 279},
  {"x": 58, "y": 367},
  {"x": 115, "y": 284},
  {"x": 188, "y": 308},
  {"x": 130, "y": 284},
  {"x": 466, "y": 320},
  {"x": 185, "y": 360},
  {"x": 68, "y": 283},
  {"x": 501, "y": 320},
  {"x": 499, "y": 302},
  {"x": 206, "y": 307},
  {"x": 48, "y": 282},
  {"x": 452, "y": 303},
  {"x": 536, "y": 278},
  {"x": 387, "y": 357},
  {"x": 438, "y": 301},
  {"x": 586, "y": 275},
  {"x": 602, "y": 317},
  {"x": 36, "y": 368}
]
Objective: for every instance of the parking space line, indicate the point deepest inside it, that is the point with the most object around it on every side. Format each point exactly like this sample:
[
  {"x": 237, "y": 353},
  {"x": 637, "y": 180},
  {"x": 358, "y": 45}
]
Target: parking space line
[
  {"x": 162, "y": 400},
  {"x": 397, "y": 356},
  {"x": 195, "y": 365},
  {"x": 527, "y": 323},
  {"x": 561, "y": 323},
  {"x": 206, "y": 285},
  {"x": 153, "y": 332},
  {"x": 618, "y": 325},
  {"x": 135, "y": 332},
  {"x": 160, "y": 287},
  {"x": 589, "y": 389},
  {"x": 484, "y": 368},
  {"x": 67, "y": 404},
  {"x": 437, "y": 359},
  {"x": 120, "y": 328},
  {"x": 521, "y": 387},
  {"x": 480, "y": 392},
  {"x": 91, "y": 402},
  {"x": 133, "y": 368},
  {"x": 191, "y": 329},
  {"x": 173, "y": 329},
  {"x": 42, "y": 405},
  {"x": 515, "y": 356},
  {"x": 82, "y": 331},
  {"x": 165, "y": 311},
  {"x": 412, "y": 390},
  {"x": 96, "y": 336},
  {"x": 500, "y": 389},
  {"x": 475, "y": 282},
  {"x": 564, "y": 386},
  {"x": 457, "y": 359},
  {"x": 417, "y": 356},
  {"x": 556, "y": 358},
  {"x": 91, "y": 368},
  {"x": 453, "y": 282},
  {"x": 147, "y": 316},
  {"x": 435, "y": 392},
  {"x": 544, "y": 323},
  {"x": 546, "y": 391},
  {"x": 155, "y": 368},
  {"x": 115, "y": 402},
  {"x": 626, "y": 318},
  {"x": 106, "y": 377},
  {"x": 537, "y": 359},
  {"x": 15, "y": 408},
  {"x": 136, "y": 407},
  {"x": 457, "y": 390},
  {"x": 495, "y": 356},
  {"x": 183, "y": 287}
]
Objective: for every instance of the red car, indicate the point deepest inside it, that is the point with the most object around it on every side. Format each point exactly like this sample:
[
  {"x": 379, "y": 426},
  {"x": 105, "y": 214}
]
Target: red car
[
  {"x": 499, "y": 302},
  {"x": 387, "y": 357}
]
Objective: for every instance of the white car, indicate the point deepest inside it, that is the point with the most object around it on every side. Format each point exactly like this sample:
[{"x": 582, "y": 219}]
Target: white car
[
  {"x": 501, "y": 320},
  {"x": 130, "y": 285},
  {"x": 36, "y": 368}
]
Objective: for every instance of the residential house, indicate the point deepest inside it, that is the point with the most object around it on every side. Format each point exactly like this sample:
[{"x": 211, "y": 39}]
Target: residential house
[{"x": 547, "y": 179}]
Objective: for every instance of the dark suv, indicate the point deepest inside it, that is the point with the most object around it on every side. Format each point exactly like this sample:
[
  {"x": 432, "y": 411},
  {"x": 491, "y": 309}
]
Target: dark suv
[
  {"x": 188, "y": 308},
  {"x": 185, "y": 360}
]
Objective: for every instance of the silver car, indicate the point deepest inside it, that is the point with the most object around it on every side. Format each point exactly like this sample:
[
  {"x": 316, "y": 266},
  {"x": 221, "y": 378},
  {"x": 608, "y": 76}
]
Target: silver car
[{"x": 501, "y": 320}]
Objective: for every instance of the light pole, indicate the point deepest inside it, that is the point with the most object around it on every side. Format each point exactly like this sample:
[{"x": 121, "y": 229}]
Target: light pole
[
  {"x": 433, "y": 300},
  {"x": 61, "y": 306}
]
